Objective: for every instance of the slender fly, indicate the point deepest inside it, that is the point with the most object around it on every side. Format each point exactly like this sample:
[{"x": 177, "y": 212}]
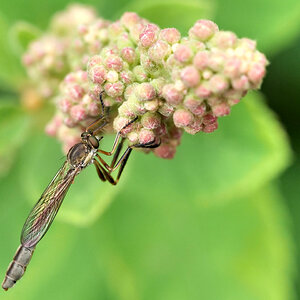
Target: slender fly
[{"x": 80, "y": 156}]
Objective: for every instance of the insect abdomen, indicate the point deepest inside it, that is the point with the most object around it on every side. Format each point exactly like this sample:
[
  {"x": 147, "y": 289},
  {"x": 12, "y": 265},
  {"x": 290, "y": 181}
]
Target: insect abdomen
[{"x": 17, "y": 267}]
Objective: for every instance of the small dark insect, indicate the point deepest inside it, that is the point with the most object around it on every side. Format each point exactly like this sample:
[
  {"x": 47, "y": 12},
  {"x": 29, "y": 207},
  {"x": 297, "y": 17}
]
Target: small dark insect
[{"x": 78, "y": 158}]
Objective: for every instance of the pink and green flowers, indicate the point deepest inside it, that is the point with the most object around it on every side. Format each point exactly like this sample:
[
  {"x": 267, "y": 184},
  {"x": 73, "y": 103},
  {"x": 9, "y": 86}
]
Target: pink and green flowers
[{"x": 171, "y": 83}]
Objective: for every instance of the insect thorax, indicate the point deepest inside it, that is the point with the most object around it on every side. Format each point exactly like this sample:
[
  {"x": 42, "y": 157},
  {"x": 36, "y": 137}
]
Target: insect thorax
[{"x": 81, "y": 155}]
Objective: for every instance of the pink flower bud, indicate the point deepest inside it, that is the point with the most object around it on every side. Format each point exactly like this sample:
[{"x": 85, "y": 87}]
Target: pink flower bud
[
  {"x": 182, "y": 118},
  {"x": 172, "y": 94},
  {"x": 115, "y": 29},
  {"x": 232, "y": 67},
  {"x": 256, "y": 73},
  {"x": 94, "y": 91},
  {"x": 140, "y": 74},
  {"x": 218, "y": 84},
  {"x": 145, "y": 92},
  {"x": 224, "y": 39},
  {"x": 146, "y": 136},
  {"x": 121, "y": 122},
  {"x": 207, "y": 74},
  {"x": 64, "y": 105},
  {"x": 210, "y": 128},
  {"x": 97, "y": 74},
  {"x": 127, "y": 77},
  {"x": 151, "y": 105},
  {"x": 195, "y": 106},
  {"x": 165, "y": 151},
  {"x": 69, "y": 122},
  {"x": 190, "y": 76},
  {"x": 247, "y": 43},
  {"x": 233, "y": 96},
  {"x": 221, "y": 109},
  {"x": 203, "y": 90},
  {"x": 129, "y": 55},
  {"x": 114, "y": 62},
  {"x": 209, "y": 119},
  {"x": 152, "y": 27},
  {"x": 77, "y": 113},
  {"x": 158, "y": 85},
  {"x": 195, "y": 127},
  {"x": 94, "y": 60},
  {"x": 93, "y": 109},
  {"x": 126, "y": 110},
  {"x": 183, "y": 53},
  {"x": 112, "y": 76},
  {"x": 158, "y": 51},
  {"x": 129, "y": 19},
  {"x": 217, "y": 61},
  {"x": 201, "y": 60},
  {"x": 147, "y": 37},
  {"x": 166, "y": 109},
  {"x": 133, "y": 137},
  {"x": 150, "y": 120},
  {"x": 76, "y": 92},
  {"x": 241, "y": 83},
  {"x": 203, "y": 30},
  {"x": 114, "y": 89},
  {"x": 136, "y": 31},
  {"x": 161, "y": 130},
  {"x": 170, "y": 35},
  {"x": 147, "y": 63}
]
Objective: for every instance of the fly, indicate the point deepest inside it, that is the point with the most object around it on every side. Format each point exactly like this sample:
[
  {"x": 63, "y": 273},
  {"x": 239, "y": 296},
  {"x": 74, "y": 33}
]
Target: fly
[{"x": 78, "y": 158}]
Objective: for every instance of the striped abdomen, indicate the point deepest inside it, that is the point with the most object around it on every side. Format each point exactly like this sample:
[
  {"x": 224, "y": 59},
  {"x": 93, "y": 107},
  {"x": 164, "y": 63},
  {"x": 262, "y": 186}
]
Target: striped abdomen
[{"x": 18, "y": 266}]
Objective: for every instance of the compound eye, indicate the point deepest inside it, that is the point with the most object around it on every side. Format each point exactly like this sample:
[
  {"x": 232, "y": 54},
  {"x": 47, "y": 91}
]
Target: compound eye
[
  {"x": 84, "y": 135},
  {"x": 93, "y": 141}
]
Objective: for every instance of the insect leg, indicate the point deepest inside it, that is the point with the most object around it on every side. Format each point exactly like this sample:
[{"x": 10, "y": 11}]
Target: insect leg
[
  {"x": 95, "y": 126},
  {"x": 151, "y": 144},
  {"x": 111, "y": 168},
  {"x": 99, "y": 172},
  {"x": 121, "y": 163},
  {"x": 117, "y": 153},
  {"x": 117, "y": 138}
]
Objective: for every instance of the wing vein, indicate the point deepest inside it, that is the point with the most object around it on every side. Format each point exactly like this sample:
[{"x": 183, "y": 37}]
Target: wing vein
[{"x": 45, "y": 210}]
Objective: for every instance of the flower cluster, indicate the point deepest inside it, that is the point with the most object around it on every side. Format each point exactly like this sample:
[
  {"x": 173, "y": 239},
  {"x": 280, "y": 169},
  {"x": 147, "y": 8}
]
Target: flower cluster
[
  {"x": 169, "y": 83},
  {"x": 47, "y": 59}
]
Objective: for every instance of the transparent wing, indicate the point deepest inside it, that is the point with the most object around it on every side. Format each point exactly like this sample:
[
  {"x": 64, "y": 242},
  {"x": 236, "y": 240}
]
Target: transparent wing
[{"x": 45, "y": 210}]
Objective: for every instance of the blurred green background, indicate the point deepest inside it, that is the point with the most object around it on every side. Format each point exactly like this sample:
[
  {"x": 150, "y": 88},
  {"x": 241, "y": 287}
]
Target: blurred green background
[{"x": 220, "y": 221}]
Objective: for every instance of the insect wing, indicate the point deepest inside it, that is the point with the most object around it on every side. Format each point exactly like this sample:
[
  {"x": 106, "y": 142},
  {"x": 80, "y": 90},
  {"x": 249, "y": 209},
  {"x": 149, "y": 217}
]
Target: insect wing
[{"x": 45, "y": 210}]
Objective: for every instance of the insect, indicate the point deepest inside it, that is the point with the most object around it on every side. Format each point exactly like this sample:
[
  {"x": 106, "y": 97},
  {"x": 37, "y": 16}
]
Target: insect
[{"x": 78, "y": 158}]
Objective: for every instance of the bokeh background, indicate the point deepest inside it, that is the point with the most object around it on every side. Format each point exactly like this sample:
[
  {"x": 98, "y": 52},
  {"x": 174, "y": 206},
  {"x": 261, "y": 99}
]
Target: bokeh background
[{"x": 220, "y": 221}]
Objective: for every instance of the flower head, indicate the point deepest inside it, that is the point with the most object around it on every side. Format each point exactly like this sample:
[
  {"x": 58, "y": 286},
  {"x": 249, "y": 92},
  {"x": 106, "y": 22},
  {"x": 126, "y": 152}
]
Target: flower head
[{"x": 169, "y": 83}]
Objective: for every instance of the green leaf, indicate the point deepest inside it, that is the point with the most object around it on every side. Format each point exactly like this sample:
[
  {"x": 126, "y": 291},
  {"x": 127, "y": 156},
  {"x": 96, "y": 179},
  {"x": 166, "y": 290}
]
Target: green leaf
[
  {"x": 290, "y": 188},
  {"x": 11, "y": 72},
  {"x": 87, "y": 198},
  {"x": 145, "y": 249},
  {"x": 156, "y": 249},
  {"x": 21, "y": 34},
  {"x": 273, "y": 23},
  {"x": 282, "y": 86},
  {"x": 14, "y": 127},
  {"x": 172, "y": 13},
  {"x": 248, "y": 150},
  {"x": 39, "y": 13}
]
